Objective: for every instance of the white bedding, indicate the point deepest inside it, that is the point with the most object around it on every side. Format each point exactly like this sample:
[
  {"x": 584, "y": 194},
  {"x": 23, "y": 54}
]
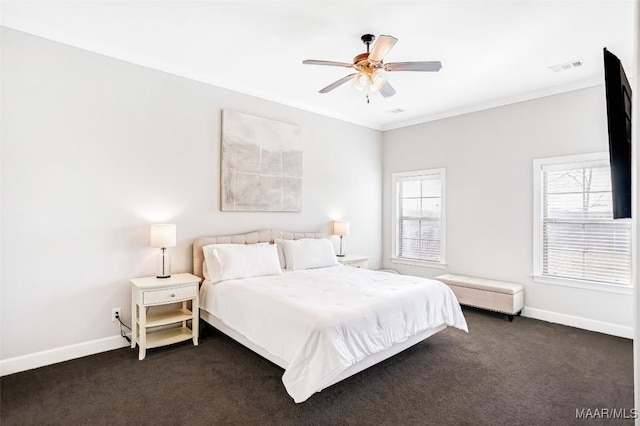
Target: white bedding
[{"x": 322, "y": 321}]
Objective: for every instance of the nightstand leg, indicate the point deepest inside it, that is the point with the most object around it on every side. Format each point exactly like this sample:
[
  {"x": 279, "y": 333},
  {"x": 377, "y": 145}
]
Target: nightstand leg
[
  {"x": 143, "y": 333},
  {"x": 195, "y": 323},
  {"x": 134, "y": 323}
]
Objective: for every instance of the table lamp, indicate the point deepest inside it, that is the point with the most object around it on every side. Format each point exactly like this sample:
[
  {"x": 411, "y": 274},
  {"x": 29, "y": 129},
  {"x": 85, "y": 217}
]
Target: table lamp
[
  {"x": 163, "y": 236},
  {"x": 341, "y": 227}
]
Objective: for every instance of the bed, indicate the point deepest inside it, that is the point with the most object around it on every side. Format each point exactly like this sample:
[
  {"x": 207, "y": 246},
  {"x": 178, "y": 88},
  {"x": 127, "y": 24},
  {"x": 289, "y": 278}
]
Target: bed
[{"x": 320, "y": 324}]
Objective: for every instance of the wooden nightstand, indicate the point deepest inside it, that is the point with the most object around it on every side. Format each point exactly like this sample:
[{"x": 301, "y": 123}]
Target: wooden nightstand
[
  {"x": 354, "y": 260},
  {"x": 151, "y": 291}
]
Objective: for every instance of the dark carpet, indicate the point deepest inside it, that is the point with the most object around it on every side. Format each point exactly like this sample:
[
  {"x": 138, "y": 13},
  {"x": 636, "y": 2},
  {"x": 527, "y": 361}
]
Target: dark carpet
[{"x": 527, "y": 372}]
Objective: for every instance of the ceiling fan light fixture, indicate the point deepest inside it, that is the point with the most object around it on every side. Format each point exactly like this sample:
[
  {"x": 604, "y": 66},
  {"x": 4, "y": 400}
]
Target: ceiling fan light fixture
[
  {"x": 360, "y": 81},
  {"x": 371, "y": 82},
  {"x": 377, "y": 80}
]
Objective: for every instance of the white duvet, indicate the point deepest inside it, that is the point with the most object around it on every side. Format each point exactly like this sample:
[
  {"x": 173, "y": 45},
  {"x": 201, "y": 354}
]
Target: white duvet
[{"x": 322, "y": 321}]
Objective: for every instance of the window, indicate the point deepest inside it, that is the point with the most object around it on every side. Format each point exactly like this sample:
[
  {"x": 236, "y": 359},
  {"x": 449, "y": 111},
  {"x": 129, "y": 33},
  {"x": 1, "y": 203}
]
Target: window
[
  {"x": 418, "y": 217},
  {"x": 576, "y": 240}
]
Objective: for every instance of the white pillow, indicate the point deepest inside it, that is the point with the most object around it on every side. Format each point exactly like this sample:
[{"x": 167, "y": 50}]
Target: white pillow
[
  {"x": 279, "y": 242},
  {"x": 205, "y": 271},
  {"x": 248, "y": 261},
  {"x": 211, "y": 268},
  {"x": 211, "y": 264},
  {"x": 308, "y": 253}
]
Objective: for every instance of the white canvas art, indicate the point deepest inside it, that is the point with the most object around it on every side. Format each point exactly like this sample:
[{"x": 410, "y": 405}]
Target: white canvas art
[{"x": 261, "y": 164}]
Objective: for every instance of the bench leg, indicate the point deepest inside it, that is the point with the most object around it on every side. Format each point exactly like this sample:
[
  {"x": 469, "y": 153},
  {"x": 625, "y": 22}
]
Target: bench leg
[{"x": 511, "y": 316}]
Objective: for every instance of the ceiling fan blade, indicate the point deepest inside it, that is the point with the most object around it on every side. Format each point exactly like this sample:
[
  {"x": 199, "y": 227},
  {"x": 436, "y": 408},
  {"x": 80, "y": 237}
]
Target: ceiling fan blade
[
  {"x": 329, "y": 63},
  {"x": 381, "y": 48},
  {"x": 433, "y": 66},
  {"x": 387, "y": 90},
  {"x": 337, "y": 83}
]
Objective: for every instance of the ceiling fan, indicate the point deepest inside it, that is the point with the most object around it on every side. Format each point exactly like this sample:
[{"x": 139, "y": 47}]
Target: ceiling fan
[{"x": 370, "y": 76}]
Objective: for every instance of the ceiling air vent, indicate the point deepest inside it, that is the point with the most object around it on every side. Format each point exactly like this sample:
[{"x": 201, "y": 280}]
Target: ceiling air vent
[{"x": 566, "y": 66}]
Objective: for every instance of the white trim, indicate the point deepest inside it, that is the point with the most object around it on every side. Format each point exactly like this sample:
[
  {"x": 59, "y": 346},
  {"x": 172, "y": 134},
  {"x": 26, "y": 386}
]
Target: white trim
[
  {"x": 575, "y": 160},
  {"x": 206, "y": 78},
  {"x": 415, "y": 262},
  {"x": 523, "y": 97},
  {"x": 561, "y": 163},
  {"x": 395, "y": 177},
  {"x": 584, "y": 284},
  {"x": 141, "y": 60},
  {"x": 64, "y": 353},
  {"x": 579, "y": 322}
]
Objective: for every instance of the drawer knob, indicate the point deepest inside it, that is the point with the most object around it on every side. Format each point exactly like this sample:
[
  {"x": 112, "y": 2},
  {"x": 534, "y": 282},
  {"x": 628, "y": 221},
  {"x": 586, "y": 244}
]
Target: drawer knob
[{"x": 173, "y": 295}]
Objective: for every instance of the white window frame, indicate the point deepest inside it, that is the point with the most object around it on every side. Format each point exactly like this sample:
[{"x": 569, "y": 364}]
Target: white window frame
[
  {"x": 441, "y": 264},
  {"x": 580, "y": 160}
]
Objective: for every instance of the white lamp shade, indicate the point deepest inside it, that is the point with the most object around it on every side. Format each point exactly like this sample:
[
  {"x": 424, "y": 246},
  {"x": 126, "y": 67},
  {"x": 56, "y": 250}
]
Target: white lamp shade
[
  {"x": 163, "y": 235},
  {"x": 340, "y": 227}
]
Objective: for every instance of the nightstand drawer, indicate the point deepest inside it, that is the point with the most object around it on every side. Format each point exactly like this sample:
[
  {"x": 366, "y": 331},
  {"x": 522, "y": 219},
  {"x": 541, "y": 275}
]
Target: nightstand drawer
[{"x": 177, "y": 294}]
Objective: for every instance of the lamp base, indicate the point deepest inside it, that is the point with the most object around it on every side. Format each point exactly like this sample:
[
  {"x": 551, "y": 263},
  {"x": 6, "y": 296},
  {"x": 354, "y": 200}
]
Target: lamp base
[
  {"x": 163, "y": 265},
  {"x": 341, "y": 253}
]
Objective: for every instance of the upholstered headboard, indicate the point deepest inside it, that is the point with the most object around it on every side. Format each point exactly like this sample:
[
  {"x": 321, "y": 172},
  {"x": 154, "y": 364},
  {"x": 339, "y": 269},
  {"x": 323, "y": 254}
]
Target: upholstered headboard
[{"x": 263, "y": 236}]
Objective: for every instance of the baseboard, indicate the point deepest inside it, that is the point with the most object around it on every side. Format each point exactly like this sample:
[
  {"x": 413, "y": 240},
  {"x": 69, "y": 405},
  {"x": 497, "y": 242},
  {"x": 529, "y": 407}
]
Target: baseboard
[
  {"x": 65, "y": 353},
  {"x": 579, "y": 322}
]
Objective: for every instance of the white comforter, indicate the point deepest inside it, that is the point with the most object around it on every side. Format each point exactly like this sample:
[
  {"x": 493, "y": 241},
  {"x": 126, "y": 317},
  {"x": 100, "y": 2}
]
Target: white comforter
[{"x": 322, "y": 321}]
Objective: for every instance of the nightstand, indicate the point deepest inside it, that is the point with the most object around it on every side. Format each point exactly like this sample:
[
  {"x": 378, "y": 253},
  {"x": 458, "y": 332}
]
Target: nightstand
[
  {"x": 150, "y": 292},
  {"x": 354, "y": 260}
]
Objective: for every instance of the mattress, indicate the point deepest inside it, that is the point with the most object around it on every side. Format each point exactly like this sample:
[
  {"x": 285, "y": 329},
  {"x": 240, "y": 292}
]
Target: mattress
[{"x": 322, "y": 321}]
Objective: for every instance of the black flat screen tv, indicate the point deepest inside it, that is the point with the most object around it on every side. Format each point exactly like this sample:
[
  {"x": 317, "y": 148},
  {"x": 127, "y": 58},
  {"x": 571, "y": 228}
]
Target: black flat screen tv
[{"x": 618, "y": 93}]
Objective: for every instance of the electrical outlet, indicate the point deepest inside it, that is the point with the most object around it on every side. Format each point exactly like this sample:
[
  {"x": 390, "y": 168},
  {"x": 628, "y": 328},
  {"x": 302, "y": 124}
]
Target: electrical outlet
[{"x": 116, "y": 312}]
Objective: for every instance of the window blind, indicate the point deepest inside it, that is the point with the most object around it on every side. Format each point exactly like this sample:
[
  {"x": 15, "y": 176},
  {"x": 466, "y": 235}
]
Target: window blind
[
  {"x": 580, "y": 239},
  {"x": 419, "y": 217}
]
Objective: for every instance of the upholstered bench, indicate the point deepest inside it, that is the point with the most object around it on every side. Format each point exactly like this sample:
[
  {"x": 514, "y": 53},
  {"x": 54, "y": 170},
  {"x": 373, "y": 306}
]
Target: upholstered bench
[{"x": 482, "y": 293}]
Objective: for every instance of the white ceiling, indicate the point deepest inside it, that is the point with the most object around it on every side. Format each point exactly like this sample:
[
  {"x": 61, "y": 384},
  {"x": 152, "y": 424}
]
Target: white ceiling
[{"x": 493, "y": 52}]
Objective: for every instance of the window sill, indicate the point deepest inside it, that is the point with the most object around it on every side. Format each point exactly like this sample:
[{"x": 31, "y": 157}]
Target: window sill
[
  {"x": 585, "y": 285},
  {"x": 425, "y": 263}
]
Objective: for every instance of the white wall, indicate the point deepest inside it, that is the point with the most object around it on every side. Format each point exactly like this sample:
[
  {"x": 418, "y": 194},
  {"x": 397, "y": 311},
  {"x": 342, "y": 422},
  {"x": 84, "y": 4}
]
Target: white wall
[
  {"x": 488, "y": 159},
  {"x": 95, "y": 149}
]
